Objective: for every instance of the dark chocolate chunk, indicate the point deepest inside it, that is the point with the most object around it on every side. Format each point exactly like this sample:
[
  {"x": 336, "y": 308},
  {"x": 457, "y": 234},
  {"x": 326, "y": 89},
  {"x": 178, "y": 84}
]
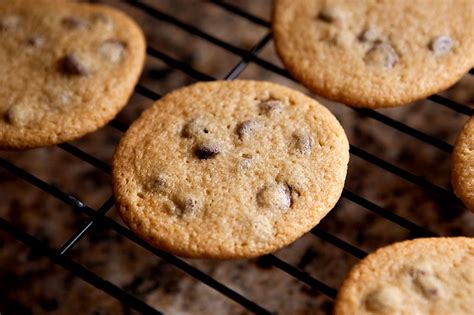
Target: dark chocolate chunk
[
  {"x": 71, "y": 65},
  {"x": 204, "y": 151}
]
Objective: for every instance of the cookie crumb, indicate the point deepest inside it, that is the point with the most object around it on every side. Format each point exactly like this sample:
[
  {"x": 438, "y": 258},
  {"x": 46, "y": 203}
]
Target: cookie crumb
[
  {"x": 247, "y": 128},
  {"x": 72, "y": 65},
  {"x": 113, "y": 50},
  {"x": 440, "y": 45},
  {"x": 206, "y": 151},
  {"x": 74, "y": 22},
  {"x": 9, "y": 22},
  {"x": 382, "y": 55},
  {"x": 274, "y": 196}
]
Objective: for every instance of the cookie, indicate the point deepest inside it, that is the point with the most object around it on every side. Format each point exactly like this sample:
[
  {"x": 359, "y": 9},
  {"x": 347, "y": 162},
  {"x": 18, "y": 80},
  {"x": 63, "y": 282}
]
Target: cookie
[
  {"x": 375, "y": 53},
  {"x": 229, "y": 169},
  {"x": 66, "y": 69},
  {"x": 422, "y": 276},
  {"x": 463, "y": 165}
]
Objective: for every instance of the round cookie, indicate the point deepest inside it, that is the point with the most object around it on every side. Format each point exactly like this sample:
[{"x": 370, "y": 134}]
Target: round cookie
[
  {"x": 375, "y": 53},
  {"x": 463, "y": 165},
  {"x": 66, "y": 69},
  {"x": 422, "y": 276},
  {"x": 229, "y": 169}
]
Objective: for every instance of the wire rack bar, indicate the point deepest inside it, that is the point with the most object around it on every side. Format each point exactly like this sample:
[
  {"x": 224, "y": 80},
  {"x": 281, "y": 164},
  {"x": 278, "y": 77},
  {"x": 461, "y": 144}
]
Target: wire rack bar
[
  {"x": 143, "y": 90},
  {"x": 351, "y": 249},
  {"x": 440, "y": 144},
  {"x": 109, "y": 223},
  {"x": 75, "y": 203},
  {"x": 76, "y": 237},
  {"x": 179, "y": 65},
  {"x": 237, "y": 70},
  {"x": 238, "y": 11},
  {"x": 302, "y": 276},
  {"x": 433, "y": 189},
  {"x": 78, "y": 270},
  {"x": 460, "y": 108},
  {"x": 417, "y": 230},
  {"x": 75, "y": 151}
]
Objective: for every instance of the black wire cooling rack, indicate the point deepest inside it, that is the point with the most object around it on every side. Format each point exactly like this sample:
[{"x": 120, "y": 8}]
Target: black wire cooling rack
[{"x": 96, "y": 216}]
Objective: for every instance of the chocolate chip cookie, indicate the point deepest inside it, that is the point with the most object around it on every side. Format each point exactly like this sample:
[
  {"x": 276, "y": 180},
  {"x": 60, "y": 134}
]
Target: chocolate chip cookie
[
  {"x": 66, "y": 69},
  {"x": 463, "y": 165},
  {"x": 422, "y": 276},
  {"x": 375, "y": 53},
  {"x": 229, "y": 169}
]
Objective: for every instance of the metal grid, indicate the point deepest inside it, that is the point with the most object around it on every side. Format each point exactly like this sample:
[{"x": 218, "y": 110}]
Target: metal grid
[{"x": 96, "y": 216}]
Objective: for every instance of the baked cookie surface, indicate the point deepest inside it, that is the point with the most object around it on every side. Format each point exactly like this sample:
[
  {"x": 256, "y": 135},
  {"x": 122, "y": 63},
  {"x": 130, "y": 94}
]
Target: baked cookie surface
[
  {"x": 229, "y": 169},
  {"x": 375, "y": 53},
  {"x": 422, "y": 276},
  {"x": 463, "y": 165},
  {"x": 66, "y": 69}
]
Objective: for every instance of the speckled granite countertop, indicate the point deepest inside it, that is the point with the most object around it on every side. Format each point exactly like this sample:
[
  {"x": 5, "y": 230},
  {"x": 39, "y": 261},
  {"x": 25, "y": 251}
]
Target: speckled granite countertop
[{"x": 31, "y": 284}]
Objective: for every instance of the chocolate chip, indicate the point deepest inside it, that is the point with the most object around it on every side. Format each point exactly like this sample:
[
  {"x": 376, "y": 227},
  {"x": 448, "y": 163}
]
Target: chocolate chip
[
  {"x": 74, "y": 22},
  {"x": 274, "y": 196},
  {"x": 246, "y": 162},
  {"x": 270, "y": 106},
  {"x": 293, "y": 192},
  {"x": 72, "y": 65},
  {"x": 206, "y": 151},
  {"x": 113, "y": 50},
  {"x": 382, "y": 55},
  {"x": 193, "y": 129},
  {"x": 246, "y": 128},
  {"x": 185, "y": 205},
  {"x": 383, "y": 300},
  {"x": 188, "y": 206},
  {"x": 301, "y": 143},
  {"x": 425, "y": 281},
  {"x": 18, "y": 116},
  {"x": 35, "y": 41},
  {"x": 441, "y": 45},
  {"x": 370, "y": 34},
  {"x": 9, "y": 22},
  {"x": 330, "y": 15},
  {"x": 100, "y": 18},
  {"x": 343, "y": 39},
  {"x": 157, "y": 183}
]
